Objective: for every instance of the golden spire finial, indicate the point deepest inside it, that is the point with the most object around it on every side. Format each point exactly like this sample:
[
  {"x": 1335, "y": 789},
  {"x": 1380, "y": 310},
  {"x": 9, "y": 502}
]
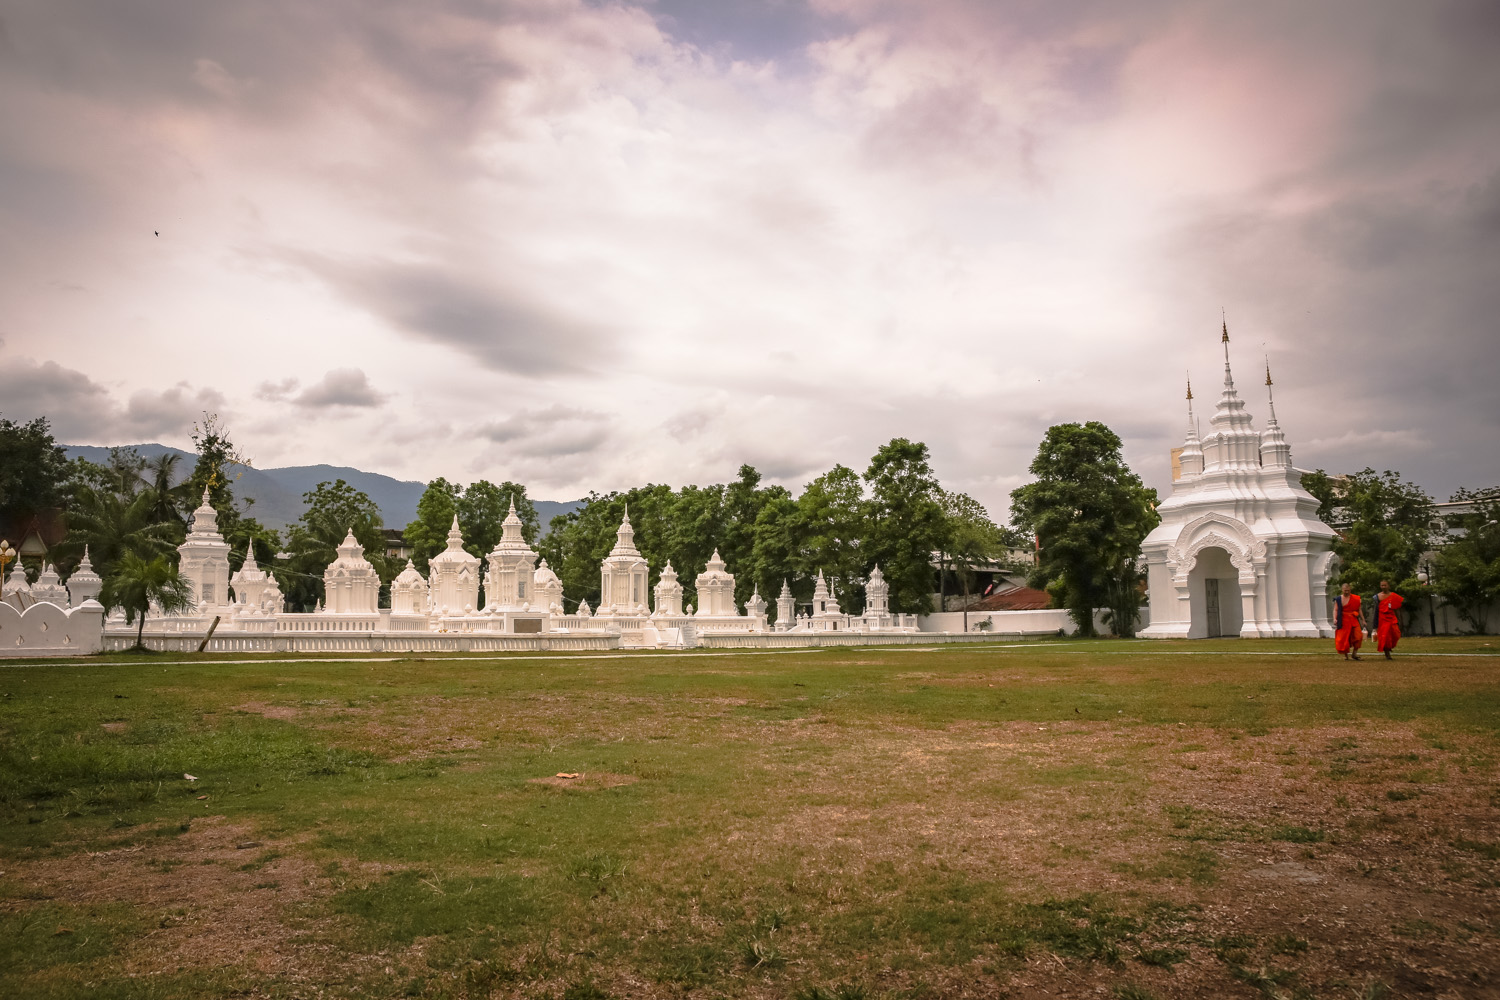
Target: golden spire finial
[
  {"x": 1190, "y": 388},
  {"x": 1268, "y": 371},
  {"x": 1225, "y": 339}
]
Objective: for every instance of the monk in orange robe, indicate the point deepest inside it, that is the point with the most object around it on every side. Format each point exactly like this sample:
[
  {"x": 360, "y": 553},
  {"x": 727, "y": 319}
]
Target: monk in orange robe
[
  {"x": 1387, "y": 622},
  {"x": 1350, "y": 636}
]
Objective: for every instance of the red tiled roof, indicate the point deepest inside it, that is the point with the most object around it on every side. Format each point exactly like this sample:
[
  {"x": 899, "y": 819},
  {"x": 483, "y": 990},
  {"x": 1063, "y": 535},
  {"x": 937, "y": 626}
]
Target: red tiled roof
[{"x": 1019, "y": 599}]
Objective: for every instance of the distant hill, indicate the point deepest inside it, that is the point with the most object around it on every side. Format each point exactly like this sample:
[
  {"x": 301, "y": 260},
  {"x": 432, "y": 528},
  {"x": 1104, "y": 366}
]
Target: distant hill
[{"x": 278, "y": 492}]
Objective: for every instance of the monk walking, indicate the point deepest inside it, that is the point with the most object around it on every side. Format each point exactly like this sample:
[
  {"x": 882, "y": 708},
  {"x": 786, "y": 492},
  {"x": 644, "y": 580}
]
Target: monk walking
[
  {"x": 1350, "y": 636},
  {"x": 1387, "y": 622}
]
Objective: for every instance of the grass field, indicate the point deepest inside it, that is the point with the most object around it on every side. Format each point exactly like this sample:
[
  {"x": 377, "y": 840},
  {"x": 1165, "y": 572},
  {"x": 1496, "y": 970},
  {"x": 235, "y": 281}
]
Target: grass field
[{"x": 1091, "y": 819}]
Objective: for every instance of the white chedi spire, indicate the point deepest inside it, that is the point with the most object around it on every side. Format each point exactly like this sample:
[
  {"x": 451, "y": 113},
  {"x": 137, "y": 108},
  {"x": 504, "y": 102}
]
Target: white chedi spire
[
  {"x": 625, "y": 538},
  {"x": 84, "y": 584},
  {"x": 1274, "y": 450},
  {"x": 786, "y": 607},
  {"x": 1234, "y": 443},
  {"x": 205, "y": 518},
  {"x": 1190, "y": 461},
  {"x": 453, "y": 576}
]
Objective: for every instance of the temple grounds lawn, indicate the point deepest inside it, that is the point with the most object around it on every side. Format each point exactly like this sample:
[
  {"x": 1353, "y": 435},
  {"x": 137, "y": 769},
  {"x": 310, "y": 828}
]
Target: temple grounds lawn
[{"x": 1131, "y": 819}]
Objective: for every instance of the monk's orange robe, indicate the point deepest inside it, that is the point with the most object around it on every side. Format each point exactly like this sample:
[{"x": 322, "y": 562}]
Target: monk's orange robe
[
  {"x": 1387, "y": 623},
  {"x": 1350, "y": 636}
]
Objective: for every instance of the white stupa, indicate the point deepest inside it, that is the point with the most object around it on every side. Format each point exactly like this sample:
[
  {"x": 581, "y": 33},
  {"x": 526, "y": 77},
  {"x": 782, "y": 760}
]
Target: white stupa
[
  {"x": 453, "y": 577},
  {"x": 623, "y": 576},
  {"x": 409, "y": 592},
  {"x": 203, "y": 559},
  {"x": 84, "y": 584},
  {"x": 716, "y": 588},
  {"x": 1240, "y": 550},
  {"x": 350, "y": 583},
  {"x": 668, "y": 593},
  {"x": 512, "y": 568}
]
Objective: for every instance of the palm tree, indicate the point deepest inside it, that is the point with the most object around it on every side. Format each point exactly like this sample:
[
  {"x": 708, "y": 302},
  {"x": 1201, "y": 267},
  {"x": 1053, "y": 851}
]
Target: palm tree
[
  {"x": 160, "y": 473},
  {"x": 112, "y": 525},
  {"x": 137, "y": 583}
]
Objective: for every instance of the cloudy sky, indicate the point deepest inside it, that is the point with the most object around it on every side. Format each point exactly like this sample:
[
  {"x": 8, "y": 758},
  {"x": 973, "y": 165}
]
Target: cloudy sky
[{"x": 591, "y": 244}]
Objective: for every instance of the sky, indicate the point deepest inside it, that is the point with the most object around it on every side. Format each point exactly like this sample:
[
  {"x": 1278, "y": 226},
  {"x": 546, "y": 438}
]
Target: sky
[{"x": 587, "y": 245}]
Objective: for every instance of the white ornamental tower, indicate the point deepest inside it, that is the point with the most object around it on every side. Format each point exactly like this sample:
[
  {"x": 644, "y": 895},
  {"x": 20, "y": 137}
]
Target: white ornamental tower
[
  {"x": 203, "y": 560},
  {"x": 350, "y": 584},
  {"x": 409, "y": 592},
  {"x": 623, "y": 576},
  {"x": 252, "y": 586},
  {"x": 755, "y": 607},
  {"x": 668, "y": 593},
  {"x": 512, "y": 568},
  {"x": 453, "y": 577},
  {"x": 1240, "y": 550},
  {"x": 877, "y": 594},
  {"x": 716, "y": 589},
  {"x": 786, "y": 608},
  {"x": 84, "y": 584},
  {"x": 823, "y": 601}
]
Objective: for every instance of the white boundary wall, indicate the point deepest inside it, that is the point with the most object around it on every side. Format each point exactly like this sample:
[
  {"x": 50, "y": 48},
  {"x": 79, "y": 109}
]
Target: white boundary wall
[{"x": 44, "y": 629}]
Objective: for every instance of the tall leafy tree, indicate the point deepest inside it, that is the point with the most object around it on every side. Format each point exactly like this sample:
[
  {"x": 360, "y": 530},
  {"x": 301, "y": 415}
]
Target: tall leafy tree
[
  {"x": 833, "y": 522},
  {"x": 136, "y": 583},
  {"x": 1384, "y": 525},
  {"x": 428, "y": 534},
  {"x": 1467, "y": 570},
  {"x": 905, "y": 522},
  {"x": 333, "y": 510},
  {"x": 1090, "y": 514},
  {"x": 775, "y": 557},
  {"x": 35, "y": 474}
]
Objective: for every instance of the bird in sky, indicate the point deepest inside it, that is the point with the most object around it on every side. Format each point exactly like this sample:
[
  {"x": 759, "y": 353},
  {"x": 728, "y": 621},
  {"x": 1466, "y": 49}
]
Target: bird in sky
[{"x": 154, "y": 231}]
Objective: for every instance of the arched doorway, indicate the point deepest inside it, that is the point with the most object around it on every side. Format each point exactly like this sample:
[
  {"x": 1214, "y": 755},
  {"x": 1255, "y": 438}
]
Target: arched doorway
[{"x": 1214, "y": 596}]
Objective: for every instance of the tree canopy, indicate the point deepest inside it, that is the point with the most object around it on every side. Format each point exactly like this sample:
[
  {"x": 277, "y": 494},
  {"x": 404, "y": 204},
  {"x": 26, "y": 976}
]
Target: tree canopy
[
  {"x": 1090, "y": 514},
  {"x": 1384, "y": 525},
  {"x": 1466, "y": 572}
]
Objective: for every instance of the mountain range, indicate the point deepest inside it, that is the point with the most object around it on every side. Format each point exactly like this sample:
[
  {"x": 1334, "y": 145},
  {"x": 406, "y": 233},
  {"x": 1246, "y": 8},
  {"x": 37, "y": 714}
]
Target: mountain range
[{"x": 277, "y": 493}]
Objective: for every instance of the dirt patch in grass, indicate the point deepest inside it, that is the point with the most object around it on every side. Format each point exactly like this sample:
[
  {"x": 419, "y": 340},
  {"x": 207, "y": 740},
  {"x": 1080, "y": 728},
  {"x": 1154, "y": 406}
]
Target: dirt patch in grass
[
  {"x": 591, "y": 781},
  {"x": 283, "y": 712},
  {"x": 114, "y": 727},
  {"x": 207, "y": 903}
]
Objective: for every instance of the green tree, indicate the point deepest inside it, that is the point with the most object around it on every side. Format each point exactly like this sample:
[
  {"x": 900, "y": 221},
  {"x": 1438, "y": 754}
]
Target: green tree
[
  {"x": 970, "y": 540},
  {"x": 217, "y": 470},
  {"x": 333, "y": 510},
  {"x": 159, "y": 473},
  {"x": 114, "y": 525},
  {"x": 136, "y": 583},
  {"x": 1384, "y": 525},
  {"x": 833, "y": 522},
  {"x": 428, "y": 534},
  {"x": 35, "y": 474},
  {"x": 1090, "y": 514},
  {"x": 1467, "y": 570},
  {"x": 775, "y": 557},
  {"x": 905, "y": 523},
  {"x": 744, "y": 499}
]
